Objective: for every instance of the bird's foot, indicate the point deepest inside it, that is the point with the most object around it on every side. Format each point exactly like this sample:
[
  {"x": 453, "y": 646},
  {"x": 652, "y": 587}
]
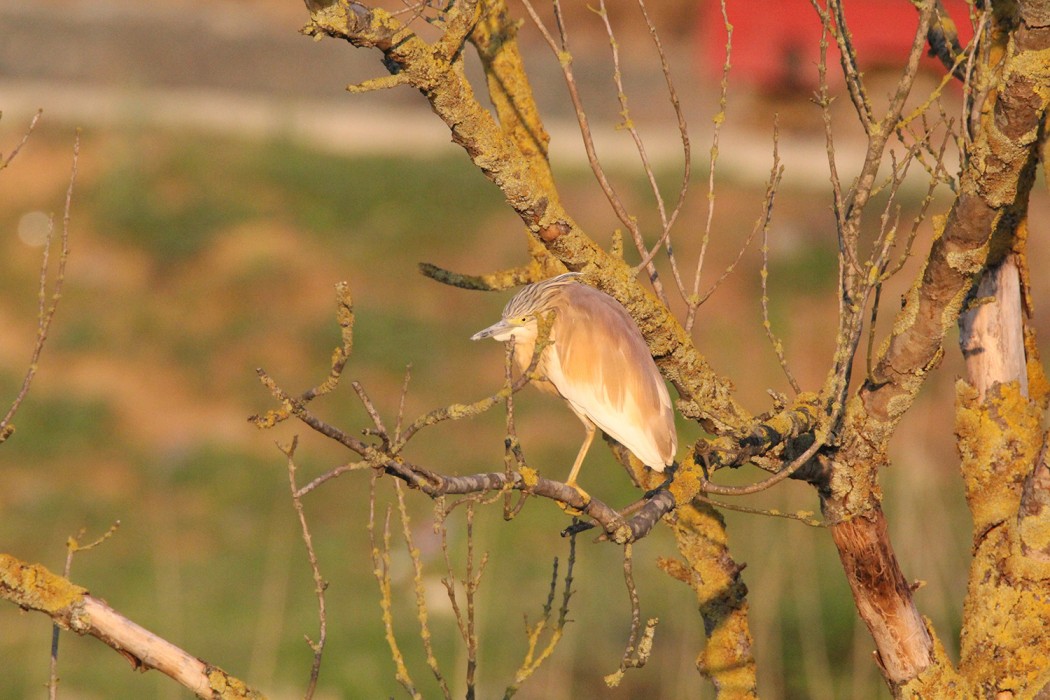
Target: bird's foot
[
  {"x": 583, "y": 494},
  {"x": 671, "y": 471}
]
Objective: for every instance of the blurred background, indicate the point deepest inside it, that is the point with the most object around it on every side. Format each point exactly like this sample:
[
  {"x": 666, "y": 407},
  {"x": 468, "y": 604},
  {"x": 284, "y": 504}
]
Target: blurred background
[{"x": 227, "y": 183}]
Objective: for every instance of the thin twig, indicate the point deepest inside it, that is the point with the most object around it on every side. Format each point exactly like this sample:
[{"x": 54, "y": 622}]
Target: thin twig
[
  {"x": 4, "y": 162},
  {"x": 687, "y": 156},
  {"x": 340, "y": 356},
  {"x": 73, "y": 546},
  {"x": 694, "y": 300},
  {"x": 513, "y": 453},
  {"x": 761, "y": 224},
  {"x": 639, "y": 641},
  {"x": 46, "y": 310},
  {"x": 560, "y": 48},
  {"x": 401, "y": 404},
  {"x": 534, "y": 655},
  {"x": 471, "y": 581},
  {"x": 341, "y": 469},
  {"x": 784, "y": 473},
  {"x": 778, "y": 345},
  {"x": 802, "y": 516},
  {"x": 381, "y": 572},
  {"x": 421, "y": 599},
  {"x": 320, "y": 585}
]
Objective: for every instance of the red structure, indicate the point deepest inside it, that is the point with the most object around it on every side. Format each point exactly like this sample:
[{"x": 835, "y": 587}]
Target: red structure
[{"x": 776, "y": 44}]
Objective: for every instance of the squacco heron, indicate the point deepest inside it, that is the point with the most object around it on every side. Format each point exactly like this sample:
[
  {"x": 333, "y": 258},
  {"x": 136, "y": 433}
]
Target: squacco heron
[{"x": 597, "y": 361}]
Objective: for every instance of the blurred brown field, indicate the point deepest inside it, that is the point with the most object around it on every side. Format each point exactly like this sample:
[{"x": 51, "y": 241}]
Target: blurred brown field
[{"x": 203, "y": 249}]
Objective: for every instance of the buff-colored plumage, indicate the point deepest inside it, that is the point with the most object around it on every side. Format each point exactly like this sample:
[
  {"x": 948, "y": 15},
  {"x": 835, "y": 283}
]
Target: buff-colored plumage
[{"x": 598, "y": 362}]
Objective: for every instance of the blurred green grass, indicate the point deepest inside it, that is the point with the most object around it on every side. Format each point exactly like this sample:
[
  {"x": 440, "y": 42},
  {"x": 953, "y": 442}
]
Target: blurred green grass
[{"x": 196, "y": 260}]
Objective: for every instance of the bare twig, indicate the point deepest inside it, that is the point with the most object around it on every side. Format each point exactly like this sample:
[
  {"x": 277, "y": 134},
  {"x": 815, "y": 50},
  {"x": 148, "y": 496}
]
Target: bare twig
[
  {"x": 331, "y": 474},
  {"x": 340, "y": 356},
  {"x": 381, "y": 571},
  {"x": 784, "y": 473},
  {"x": 73, "y": 546},
  {"x": 320, "y": 585},
  {"x": 560, "y": 48},
  {"x": 534, "y": 655},
  {"x": 4, "y": 162},
  {"x": 465, "y": 621},
  {"x": 401, "y": 404},
  {"x": 513, "y": 453},
  {"x": 422, "y": 612},
  {"x": 803, "y": 516},
  {"x": 694, "y": 300},
  {"x": 774, "y": 180},
  {"x": 46, "y": 309},
  {"x": 666, "y": 221},
  {"x": 639, "y": 641},
  {"x": 687, "y": 155},
  {"x": 504, "y": 279},
  {"x": 848, "y": 60}
]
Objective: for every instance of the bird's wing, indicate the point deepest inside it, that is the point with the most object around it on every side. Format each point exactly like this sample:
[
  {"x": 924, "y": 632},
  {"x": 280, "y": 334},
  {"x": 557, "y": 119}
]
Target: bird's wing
[{"x": 602, "y": 367}]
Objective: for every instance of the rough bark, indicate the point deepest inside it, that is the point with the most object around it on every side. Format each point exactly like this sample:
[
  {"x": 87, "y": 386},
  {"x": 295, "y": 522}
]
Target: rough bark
[
  {"x": 727, "y": 659},
  {"x": 994, "y": 191},
  {"x": 1002, "y": 445}
]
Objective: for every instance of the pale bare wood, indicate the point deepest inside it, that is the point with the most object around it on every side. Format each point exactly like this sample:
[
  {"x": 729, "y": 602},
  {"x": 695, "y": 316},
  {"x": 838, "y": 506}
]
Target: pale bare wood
[
  {"x": 992, "y": 331},
  {"x": 34, "y": 587},
  {"x": 99, "y": 620},
  {"x": 883, "y": 596}
]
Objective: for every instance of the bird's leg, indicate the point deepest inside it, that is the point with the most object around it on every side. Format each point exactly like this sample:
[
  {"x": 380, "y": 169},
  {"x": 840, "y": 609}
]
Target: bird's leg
[{"x": 587, "y": 440}]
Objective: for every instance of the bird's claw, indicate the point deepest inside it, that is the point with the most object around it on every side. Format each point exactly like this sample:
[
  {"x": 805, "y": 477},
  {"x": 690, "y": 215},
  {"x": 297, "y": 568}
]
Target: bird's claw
[{"x": 571, "y": 510}]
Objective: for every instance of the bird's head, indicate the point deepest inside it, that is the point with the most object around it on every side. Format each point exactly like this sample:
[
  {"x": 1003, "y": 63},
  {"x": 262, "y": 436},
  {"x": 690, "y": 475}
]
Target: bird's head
[
  {"x": 517, "y": 327},
  {"x": 520, "y": 313}
]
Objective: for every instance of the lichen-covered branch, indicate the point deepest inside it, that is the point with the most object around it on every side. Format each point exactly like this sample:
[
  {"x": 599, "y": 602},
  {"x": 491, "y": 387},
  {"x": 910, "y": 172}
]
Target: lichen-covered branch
[
  {"x": 504, "y": 154},
  {"x": 33, "y": 587},
  {"x": 708, "y": 568},
  {"x": 999, "y": 425},
  {"x": 993, "y": 195}
]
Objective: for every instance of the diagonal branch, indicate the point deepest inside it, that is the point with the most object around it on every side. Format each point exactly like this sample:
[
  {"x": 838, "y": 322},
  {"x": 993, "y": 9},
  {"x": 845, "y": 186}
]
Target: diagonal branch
[
  {"x": 705, "y": 396},
  {"x": 33, "y": 587}
]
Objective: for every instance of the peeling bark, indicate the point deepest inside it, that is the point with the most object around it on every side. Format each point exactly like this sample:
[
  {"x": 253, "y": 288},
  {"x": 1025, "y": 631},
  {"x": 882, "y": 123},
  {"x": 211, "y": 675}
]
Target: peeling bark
[
  {"x": 983, "y": 222},
  {"x": 992, "y": 333},
  {"x": 883, "y": 596}
]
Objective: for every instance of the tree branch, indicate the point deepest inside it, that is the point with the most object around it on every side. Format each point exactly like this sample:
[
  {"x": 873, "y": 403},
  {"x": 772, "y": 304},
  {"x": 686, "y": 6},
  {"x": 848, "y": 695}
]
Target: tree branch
[{"x": 33, "y": 587}]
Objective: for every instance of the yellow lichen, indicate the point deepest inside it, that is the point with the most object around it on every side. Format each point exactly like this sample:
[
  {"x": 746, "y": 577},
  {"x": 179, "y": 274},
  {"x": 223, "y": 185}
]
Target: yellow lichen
[
  {"x": 529, "y": 476},
  {"x": 998, "y": 442},
  {"x": 939, "y": 680},
  {"x": 34, "y": 587},
  {"x": 686, "y": 484}
]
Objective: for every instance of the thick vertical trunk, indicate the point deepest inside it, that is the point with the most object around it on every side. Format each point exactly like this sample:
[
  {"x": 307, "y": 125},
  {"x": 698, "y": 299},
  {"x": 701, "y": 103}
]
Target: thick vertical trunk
[{"x": 999, "y": 426}]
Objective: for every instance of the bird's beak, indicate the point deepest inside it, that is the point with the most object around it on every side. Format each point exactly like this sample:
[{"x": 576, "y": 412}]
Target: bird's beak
[{"x": 495, "y": 329}]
